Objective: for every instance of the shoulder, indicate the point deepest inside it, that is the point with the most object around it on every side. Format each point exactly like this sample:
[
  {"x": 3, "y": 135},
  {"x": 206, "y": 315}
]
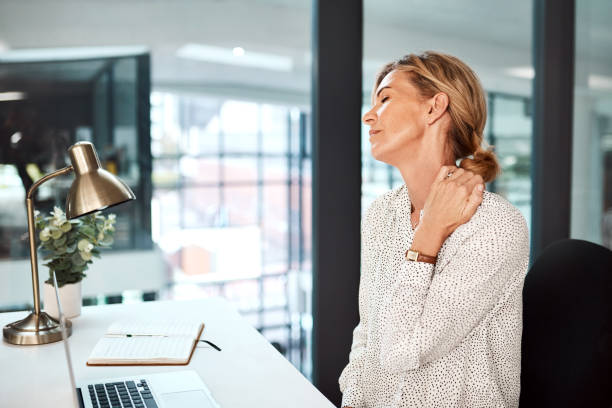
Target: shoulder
[
  {"x": 497, "y": 231},
  {"x": 496, "y": 214},
  {"x": 379, "y": 211},
  {"x": 383, "y": 203}
]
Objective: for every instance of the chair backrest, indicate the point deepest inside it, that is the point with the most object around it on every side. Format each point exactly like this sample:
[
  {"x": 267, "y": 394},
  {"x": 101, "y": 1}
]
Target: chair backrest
[{"x": 567, "y": 327}]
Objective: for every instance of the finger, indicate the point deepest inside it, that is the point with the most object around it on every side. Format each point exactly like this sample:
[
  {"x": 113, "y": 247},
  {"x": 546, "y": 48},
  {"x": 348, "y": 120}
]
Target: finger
[
  {"x": 463, "y": 177},
  {"x": 454, "y": 174},
  {"x": 444, "y": 170},
  {"x": 475, "y": 199},
  {"x": 478, "y": 179},
  {"x": 474, "y": 181}
]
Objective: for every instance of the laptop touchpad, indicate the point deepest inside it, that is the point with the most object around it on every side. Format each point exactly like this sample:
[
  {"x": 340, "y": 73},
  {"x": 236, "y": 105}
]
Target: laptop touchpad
[{"x": 187, "y": 399}]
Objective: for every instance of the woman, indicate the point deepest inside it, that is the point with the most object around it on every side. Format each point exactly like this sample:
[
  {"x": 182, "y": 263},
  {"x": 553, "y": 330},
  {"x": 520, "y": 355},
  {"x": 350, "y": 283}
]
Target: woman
[{"x": 443, "y": 261}]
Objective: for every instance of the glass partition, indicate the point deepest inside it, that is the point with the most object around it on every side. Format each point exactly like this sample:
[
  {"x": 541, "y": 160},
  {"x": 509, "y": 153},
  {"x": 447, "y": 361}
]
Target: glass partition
[
  {"x": 60, "y": 102},
  {"x": 591, "y": 210}
]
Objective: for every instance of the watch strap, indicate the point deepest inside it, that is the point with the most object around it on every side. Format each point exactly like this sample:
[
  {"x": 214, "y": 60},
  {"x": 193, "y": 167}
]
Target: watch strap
[{"x": 416, "y": 256}]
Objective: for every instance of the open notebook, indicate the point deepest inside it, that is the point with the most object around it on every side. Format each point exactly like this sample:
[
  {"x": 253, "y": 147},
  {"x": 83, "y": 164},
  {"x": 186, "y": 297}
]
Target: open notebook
[{"x": 147, "y": 342}]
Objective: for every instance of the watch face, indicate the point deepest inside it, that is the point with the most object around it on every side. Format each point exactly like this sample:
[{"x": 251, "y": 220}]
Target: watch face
[{"x": 412, "y": 255}]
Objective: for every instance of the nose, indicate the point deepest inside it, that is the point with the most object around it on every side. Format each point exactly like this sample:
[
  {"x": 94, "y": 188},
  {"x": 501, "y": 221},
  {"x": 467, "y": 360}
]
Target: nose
[{"x": 369, "y": 118}]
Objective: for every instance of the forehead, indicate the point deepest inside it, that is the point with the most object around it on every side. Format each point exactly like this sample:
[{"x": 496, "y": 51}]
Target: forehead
[{"x": 398, "y": 80}]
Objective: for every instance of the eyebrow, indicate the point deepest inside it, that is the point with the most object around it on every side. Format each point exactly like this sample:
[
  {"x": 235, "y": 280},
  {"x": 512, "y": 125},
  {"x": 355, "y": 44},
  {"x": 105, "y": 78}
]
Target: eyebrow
[{"x": 381, "y": 89}]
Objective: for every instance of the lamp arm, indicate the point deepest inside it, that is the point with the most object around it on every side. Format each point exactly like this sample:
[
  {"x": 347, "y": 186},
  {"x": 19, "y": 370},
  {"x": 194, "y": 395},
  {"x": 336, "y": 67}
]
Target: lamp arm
[
  {"x": 48, "y": 177},
  {"x": 32, "y": 232}
]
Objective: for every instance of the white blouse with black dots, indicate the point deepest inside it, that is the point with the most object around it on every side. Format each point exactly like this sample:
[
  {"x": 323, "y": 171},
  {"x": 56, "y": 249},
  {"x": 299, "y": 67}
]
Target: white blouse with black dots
[{"x": 444, "y": 335}]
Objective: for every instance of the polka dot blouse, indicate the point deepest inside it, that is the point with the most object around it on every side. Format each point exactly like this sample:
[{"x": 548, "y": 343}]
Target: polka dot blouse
[{"x": 444, "y": 335}]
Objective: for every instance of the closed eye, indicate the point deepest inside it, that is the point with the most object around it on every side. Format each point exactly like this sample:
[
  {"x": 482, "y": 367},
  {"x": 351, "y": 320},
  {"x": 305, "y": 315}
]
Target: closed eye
[{"x": 383, "y": 100}]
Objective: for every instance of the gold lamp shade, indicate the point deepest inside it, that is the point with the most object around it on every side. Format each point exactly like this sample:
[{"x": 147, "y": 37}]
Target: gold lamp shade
[{"x": 93, "y": 188}]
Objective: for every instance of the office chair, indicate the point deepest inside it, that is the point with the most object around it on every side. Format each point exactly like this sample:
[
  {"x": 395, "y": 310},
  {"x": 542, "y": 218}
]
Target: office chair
[{"x": 567, "y": 328}]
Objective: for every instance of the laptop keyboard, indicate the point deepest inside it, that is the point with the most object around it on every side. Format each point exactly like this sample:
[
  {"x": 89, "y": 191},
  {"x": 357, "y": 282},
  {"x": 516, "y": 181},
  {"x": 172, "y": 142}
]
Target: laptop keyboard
[{"x": 123, "y": 394}]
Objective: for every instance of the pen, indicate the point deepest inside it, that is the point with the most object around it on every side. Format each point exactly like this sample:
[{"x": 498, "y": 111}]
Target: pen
[
  {"x": 135, "y": 335},
  {"x": 159, "y": 335}
]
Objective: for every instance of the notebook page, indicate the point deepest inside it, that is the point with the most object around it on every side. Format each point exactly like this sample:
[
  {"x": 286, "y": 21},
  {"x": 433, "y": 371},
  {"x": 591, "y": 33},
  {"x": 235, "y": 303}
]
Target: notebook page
[
  {"x": 178, "y": 327},
  {"x": 142, "y": 348}
]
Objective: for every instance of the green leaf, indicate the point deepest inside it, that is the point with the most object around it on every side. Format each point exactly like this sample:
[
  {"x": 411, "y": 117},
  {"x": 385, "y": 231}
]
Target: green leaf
[
  {"x": 60, "y": 241},
  {"x": 76, "y": 259},
  {"x": 78, "y": 268},
  {"x": 73, "y": 239},
  {"x": 60, "y": 251},
  {"x": 63, "y": 264},
  {"x": 88, "y": 231},
  {"x": 107, "y": 241}
]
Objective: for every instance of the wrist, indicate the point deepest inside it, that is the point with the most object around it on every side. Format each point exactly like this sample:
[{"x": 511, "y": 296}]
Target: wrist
[{"x": 428, "y": 240}]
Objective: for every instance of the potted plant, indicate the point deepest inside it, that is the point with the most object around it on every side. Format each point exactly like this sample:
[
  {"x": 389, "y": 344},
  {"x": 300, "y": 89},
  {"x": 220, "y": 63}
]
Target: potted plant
[{"x": 69, "y": 246}]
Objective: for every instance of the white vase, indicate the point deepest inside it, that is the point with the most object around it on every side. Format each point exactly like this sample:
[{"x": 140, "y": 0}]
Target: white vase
[{"x": 70, "y": 299}]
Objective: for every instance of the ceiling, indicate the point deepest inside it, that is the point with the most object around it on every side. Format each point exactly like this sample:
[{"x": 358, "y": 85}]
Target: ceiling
[{"x": 491, "y": 36}]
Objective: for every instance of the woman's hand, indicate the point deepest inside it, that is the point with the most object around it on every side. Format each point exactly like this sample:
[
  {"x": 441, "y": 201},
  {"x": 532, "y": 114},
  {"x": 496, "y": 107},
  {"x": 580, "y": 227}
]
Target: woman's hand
[{"x": 452, "y": 201}]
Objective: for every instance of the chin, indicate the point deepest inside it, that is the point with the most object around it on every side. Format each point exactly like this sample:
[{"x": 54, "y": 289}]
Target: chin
[{"x": 380, "y": 154}]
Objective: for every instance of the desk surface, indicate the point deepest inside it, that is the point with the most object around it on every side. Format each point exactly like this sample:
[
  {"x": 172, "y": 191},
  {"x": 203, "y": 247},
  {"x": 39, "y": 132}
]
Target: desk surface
[{"x": 248, "y": 372}]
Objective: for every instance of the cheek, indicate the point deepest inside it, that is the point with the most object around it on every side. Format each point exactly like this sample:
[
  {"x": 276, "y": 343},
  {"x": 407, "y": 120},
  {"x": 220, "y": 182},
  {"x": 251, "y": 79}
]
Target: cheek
[
  {"x": 399, "y": 114},
  {"x": 403, "y": 124}
]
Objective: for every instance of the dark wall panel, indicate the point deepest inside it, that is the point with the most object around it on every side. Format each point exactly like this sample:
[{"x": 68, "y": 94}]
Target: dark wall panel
[{"x": 336, "y": 101}]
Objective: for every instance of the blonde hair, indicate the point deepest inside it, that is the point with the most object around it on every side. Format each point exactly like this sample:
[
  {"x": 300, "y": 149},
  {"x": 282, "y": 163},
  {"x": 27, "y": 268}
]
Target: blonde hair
[{"x": 433, "y": 72}]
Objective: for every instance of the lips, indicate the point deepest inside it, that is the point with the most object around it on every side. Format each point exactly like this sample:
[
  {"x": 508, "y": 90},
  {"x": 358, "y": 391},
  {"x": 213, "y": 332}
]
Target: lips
[{"x": 373, "y": 132}]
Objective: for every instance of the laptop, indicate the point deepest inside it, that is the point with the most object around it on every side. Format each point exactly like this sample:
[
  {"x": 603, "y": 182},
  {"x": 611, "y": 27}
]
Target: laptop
[{"x": 176, "y": 389}]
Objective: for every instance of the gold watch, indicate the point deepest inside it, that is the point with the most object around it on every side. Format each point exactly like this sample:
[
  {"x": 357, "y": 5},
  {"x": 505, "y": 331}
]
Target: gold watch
[{"x": 415, "y": 256}]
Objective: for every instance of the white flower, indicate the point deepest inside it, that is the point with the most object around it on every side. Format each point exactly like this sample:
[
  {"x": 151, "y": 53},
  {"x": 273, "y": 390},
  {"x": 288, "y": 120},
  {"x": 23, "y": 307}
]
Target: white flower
[
  {"x": 85, "y": 255},
  {"x": 58, "y": 216},
  {"x": 109, "y": 223}
]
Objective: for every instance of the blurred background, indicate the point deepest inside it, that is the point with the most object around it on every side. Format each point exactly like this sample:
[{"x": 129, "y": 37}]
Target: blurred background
[{"x": 204, "y": 109}]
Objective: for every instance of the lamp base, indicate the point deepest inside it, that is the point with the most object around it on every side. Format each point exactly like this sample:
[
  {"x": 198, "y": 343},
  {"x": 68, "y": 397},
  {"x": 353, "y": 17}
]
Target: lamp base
[{"x": 35, "y": 329}]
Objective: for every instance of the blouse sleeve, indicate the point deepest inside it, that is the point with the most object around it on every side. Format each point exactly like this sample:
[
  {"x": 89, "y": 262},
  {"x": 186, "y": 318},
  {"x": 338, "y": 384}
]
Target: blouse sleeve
[
  {"x": 427, "y": 318},
  {"x": 350, "y": 379}
]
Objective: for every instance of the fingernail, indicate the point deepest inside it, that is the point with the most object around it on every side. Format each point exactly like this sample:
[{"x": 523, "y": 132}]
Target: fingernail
[{"x": 480, "y": 187}]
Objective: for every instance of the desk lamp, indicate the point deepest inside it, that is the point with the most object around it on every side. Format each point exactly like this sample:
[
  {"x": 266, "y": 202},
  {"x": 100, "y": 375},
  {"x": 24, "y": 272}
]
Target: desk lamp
[{"x": 92, "y": 190}]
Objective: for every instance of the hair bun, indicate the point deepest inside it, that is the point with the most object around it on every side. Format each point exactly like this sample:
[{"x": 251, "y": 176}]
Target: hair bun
[{"x": 483, "y": 162}]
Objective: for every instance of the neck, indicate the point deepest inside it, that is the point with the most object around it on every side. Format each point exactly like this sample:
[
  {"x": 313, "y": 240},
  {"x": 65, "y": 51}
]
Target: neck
[
  {"x": 418, "y": 180},
  {"x": 420, "y": 171}
]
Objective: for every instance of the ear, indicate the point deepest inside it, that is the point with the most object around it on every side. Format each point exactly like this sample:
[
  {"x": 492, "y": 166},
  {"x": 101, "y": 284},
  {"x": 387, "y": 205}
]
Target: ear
[{"x": 437, "y": 107}]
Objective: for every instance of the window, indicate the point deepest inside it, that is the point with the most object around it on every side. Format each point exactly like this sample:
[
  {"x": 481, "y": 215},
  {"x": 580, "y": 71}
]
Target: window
[{"x": 229, "y": 180}]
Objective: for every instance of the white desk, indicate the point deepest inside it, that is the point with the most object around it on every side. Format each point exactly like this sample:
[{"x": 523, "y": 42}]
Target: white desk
[{"x": 248, "y": 372}]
